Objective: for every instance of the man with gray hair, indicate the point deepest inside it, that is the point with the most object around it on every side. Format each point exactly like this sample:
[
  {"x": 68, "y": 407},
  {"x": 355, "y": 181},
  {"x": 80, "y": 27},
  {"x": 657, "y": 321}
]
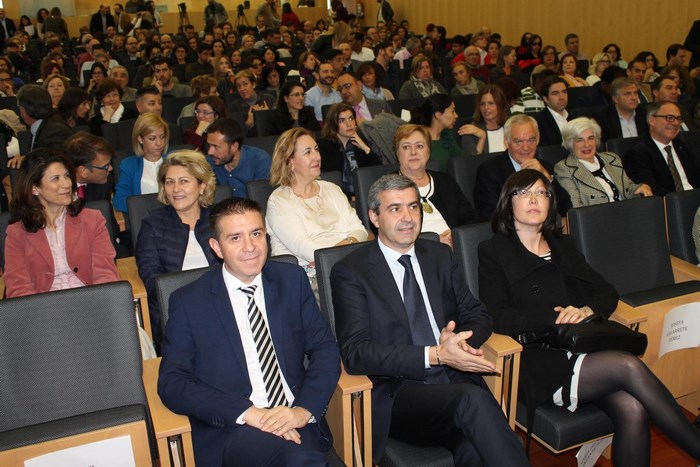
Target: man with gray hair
[
  {"x": 36, "y": 110},
  {"x": 406, "y": 318},
  {"x": 521, "y": 138},
  {"x": 621, "y": 119},
  {"x": 413, "y": 47}
]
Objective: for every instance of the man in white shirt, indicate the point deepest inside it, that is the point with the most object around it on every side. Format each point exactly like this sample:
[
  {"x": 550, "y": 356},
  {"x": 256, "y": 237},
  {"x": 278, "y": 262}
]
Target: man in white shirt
[
  {"x": 555, "y": 94},
  {"x": 234, "y": 353},
  {"x": 359, "y": 53}
]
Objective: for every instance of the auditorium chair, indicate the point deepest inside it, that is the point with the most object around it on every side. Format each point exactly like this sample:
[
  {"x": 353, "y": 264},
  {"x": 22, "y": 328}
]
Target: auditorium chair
[
  {"x": 500, "y": 350},
  {"x": 681, "y": 207},
  {"x": 626, "y": 243},
  {"x": 72, "y": 375}
]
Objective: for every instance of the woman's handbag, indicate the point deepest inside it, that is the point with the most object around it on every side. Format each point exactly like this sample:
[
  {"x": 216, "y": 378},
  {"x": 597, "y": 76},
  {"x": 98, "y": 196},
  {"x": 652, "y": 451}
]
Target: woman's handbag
[{"x": 593, "y": 334}]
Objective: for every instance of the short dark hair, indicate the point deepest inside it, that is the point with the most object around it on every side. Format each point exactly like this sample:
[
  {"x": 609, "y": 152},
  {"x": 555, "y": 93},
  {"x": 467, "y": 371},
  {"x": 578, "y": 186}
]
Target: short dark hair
[
  {"x": 673, "y": 50},
  {"x": 106, "y": 86},
  {"x": 331, "y": 54},
  {"x": 159, "y": 60},
  {"x": 503, "y": 220},
  {"x": 381, "y": 46},
  {"x": 549, "y": 82},
  {"x": 460, "y": 40},
  {"x": 83, "y": 147},
  {"x": 229, "y": 128},
  {"x": 35, "y": 101},
  {"x": 571, "y": 35},
  {"x": 203, "y": 47},
  {"x": 147, "y": 90},
  {"x": 229, "y": 207},
  {"x": 654, "y": 107},
  {"x": 353, "y": 75}
]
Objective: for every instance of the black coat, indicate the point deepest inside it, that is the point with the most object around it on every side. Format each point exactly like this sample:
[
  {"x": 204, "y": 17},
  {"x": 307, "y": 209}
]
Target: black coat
[
  {"x": 52, "y": 133},
  {"x": 96, "y": 23},
  {"x": 549, "y": 130},
  {"x": 278, "y": 124},
  {"x": 520, "y": 291},
  {"x": 451, "y": 202}
]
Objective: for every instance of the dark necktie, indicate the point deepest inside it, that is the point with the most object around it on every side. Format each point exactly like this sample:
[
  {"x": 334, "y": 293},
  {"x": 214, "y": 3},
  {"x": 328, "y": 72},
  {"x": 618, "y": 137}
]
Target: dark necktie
[
  {"x": 673, "y": 169},
  {"x": 266, "y": 352},
  {"x": 421, "y": 331}
]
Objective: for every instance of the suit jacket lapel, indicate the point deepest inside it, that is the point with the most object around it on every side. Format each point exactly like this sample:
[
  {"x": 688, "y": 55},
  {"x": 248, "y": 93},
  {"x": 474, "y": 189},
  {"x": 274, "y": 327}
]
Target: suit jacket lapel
[
  {"x": 382, "y": 275},
  {"x": 221, "y": 304},
  {"x": 584, "y": 176}
]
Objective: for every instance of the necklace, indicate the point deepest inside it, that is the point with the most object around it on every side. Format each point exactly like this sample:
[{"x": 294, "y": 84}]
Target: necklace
[{"x": 427, "y": 208}]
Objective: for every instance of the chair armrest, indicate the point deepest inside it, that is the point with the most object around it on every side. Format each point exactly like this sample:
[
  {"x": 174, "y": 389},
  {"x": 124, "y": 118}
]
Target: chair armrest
[
  {"x": 128, "y": 271},
  {"x": 504, "y": 353},
  {"x": 628, "y": 315},
  {"x": 349, "y": 417},
  {"x": 684, "y": 271},
  {"x": 166, "y": 424}
]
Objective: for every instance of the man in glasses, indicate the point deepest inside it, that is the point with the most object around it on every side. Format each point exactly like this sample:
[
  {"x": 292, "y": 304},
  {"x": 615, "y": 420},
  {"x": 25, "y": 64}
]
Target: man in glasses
[
  {"x": 350, "y": 88},
  {"x": 521, "y": 138},
  {"x": 661, "y": 159},
  {"x": 665, "y": 88}
]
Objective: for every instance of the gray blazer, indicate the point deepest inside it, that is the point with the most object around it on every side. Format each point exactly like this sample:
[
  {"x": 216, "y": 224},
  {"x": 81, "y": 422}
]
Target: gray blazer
[{"x": 584, "y": 188}]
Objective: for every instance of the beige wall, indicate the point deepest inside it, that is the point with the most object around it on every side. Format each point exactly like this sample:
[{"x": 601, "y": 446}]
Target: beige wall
[{"x": 634, "y": 25}]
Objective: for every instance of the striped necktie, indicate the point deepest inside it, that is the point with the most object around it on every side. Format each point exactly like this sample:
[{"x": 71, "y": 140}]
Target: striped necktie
[{"x": 266, "y": 352}]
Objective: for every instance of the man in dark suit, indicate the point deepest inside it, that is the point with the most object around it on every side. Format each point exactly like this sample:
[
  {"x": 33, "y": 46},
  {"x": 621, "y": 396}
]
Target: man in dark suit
[
  {"x": 92, "y": 159},
  {"x": 661, "y": 160},
  {"x": 34, "y": 104},
  {"x": 522, "y": 137},
  {"x": 350, "y": 88},
  {"x": 664, "y": 88},
  {"x": 234, "y": 348},
  {"x": 7, "y": 28},
  {"x": 551, "y": 119},
  {"x": 100, "y": 21},
  {"x": 621, "y": 119},
  {"x": 635, "y": 70},
  {"x": 405, "y": 318}
]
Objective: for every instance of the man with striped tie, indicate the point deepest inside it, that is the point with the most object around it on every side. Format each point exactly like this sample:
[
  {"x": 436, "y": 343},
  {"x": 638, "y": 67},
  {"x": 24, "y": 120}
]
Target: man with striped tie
[{"x": 234, "y": 348}]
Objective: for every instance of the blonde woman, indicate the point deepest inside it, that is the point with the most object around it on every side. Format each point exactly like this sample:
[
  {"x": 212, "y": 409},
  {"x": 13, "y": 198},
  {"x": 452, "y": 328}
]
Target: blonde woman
[
  {"x": 175, "y": 236},
  {"x": 305, "y": 213},
  {"x": 138, "y": 174}
]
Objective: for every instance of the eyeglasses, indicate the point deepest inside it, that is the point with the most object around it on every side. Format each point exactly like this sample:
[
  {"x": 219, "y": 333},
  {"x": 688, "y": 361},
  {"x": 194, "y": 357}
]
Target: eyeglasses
[
  {"x": 105, "y": 167},
  {"x": 520, "y": 142},
  {"x": 346, "y": 86},
  {"x": 527, "y": 194},
  {"x": 296, "y": 94},
  {"x": 670, "y": 118},
  {"x": 537, "y": 43},
  {"x": 205, "y": 113}
]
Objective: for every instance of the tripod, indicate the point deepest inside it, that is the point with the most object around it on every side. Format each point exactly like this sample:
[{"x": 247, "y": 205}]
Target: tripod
[
  {"x": 184, "y": 21},
  {"x": 241, "y": 19}
]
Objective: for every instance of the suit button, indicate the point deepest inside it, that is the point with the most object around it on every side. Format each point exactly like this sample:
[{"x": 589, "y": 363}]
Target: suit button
[
  {"x": 75, "y": 269},
  {"x": 535, "y": 288}
]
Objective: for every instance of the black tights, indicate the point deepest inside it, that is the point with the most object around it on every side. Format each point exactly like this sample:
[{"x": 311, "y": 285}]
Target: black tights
[{"x": 630, "y": 394}]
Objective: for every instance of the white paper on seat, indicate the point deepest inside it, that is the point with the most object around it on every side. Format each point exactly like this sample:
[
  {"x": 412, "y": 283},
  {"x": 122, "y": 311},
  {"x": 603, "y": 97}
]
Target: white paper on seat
[
  {"x": 681, "y": 329},
  {"x": 114, "y": 452},
  {"x": 591, "y": 451},
  {"x": 405, "y": 115}
]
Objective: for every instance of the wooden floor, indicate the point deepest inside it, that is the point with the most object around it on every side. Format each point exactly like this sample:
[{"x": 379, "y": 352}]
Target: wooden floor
[{"x": 663, "y": 454}]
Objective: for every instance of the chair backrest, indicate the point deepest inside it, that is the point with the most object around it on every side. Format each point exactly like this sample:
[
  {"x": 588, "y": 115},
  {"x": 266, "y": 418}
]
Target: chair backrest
[
  {"x": 362, "y": 179},
  {"x": 553, "y": 153},
  {"x": 403, "y": 104},
  {"x": 119, "y": 134},
  {"x": 692, "y": 139},
  {"x": 465, "y": 105},
  {"x": 625, "y": 242},
  {"x": 139, "y": 206},
  {"x": 589, "y": 112},
  {"x": 9, "y": 102},
  {"x": 325, "y": 259},
  {"x": 262, "y": 118},
  {"x": 186, "y": 123},
  {"x": 105, "y": 208},
  {"x": 172, "y": 106},
  {"x": 68, "y": 353},
  {"x": 266, "y": 143},
  {"x": 463, "y": 171},
  {"x": 168, "y": 283},
  {"x": 575, "y": 94},
  {"x": 466, "y": 240},
  {"x": 4, "y": 222},
  {"x": 621, "y": 145},
  {"x": 681, "y": 207}
]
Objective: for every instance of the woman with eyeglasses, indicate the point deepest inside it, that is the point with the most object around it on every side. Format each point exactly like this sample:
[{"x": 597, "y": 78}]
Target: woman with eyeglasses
[
  {"x": 53, "y": 243},
  {"x": 207, "y": 110},
  {"x": 600, "y": 62},
  {"x": 613, "y": 51},
  {"x": 530, "y": 277},
  {"x": 591, "y": 177},
  {"x": 549, "y": 61},
  {"x": 175, "y": 236},
  {"x": 292, "y": 111}
]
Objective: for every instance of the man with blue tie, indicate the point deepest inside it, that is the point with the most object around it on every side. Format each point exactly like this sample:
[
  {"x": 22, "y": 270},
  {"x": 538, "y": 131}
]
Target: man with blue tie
[
  {"x": 234, "y": 349},
  {"x": 406, "y": 318}
]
